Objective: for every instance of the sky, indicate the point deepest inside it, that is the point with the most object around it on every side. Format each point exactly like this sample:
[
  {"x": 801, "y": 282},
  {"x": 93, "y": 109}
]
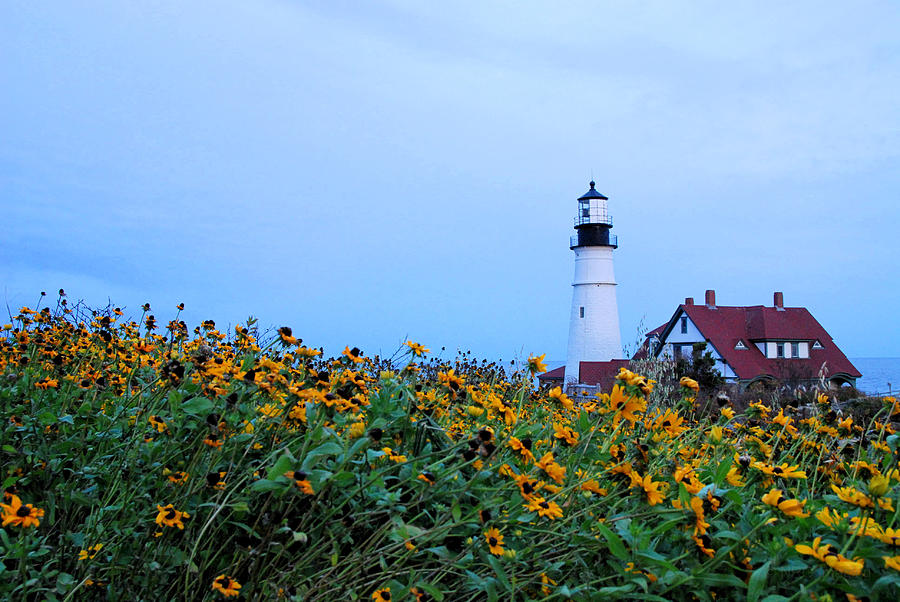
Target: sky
[{"x": 368, "y": 173}]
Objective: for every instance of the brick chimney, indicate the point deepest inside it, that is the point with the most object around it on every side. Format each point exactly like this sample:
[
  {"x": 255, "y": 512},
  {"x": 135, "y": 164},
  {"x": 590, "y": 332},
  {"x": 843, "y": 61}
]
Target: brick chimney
[
  {"x": 711, "y": 299},
  {"x": 779, "y": 301},
  {"x": 688, "y": 300}
]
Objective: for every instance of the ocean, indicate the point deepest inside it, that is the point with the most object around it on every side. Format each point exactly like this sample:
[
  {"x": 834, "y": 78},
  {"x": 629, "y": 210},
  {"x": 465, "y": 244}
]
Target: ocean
[{"x": 880, "y": 375}]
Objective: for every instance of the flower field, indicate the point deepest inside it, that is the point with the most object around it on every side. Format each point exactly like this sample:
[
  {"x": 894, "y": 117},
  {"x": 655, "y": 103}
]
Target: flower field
[{"x": 158, "y": 463}]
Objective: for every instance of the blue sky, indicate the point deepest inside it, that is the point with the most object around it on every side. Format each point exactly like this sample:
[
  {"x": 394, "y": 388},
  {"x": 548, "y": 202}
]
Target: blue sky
[{"x": 368, "y": 173}]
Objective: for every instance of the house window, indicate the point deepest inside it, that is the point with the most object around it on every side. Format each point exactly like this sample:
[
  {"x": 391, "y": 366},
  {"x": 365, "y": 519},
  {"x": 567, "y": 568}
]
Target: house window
[
  {"x": 779, "y": 350},
  {"x": 683, "y": 324},
  {"x": 581, "y": 312},
  {"x": 817, "y": 345},
  {"x": 740, "y": 345},
  {"x": 795, "y": 349}
]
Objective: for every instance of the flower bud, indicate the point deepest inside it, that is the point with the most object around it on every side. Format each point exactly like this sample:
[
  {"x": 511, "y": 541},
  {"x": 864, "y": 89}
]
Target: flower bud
[{"x": 879, "y": 485}]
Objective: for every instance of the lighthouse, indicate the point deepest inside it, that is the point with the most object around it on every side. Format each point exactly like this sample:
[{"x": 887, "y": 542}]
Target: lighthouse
[{"x": 594, "y": 322}]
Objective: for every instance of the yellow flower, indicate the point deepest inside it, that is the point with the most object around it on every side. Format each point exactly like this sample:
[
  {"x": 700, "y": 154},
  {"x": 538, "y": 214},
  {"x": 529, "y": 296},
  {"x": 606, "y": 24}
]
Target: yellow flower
[
  {"x": 790, "y": 507},
  {"x": 566, "y": 434},
  {"x": 168, "y": 516},
  {"x": 226, "y": 586},
  {"x": 357, "y": 430},
  {"x": 20, "y": 515},
  {"x": 417, "y": 349},
  {"x": 90, "y": 552},
  {"x": 553, "y": 470},
  {"x": 382, "y": 595},
  {"x": 689, "y": 383},
  {"x": 557, "y": 394},
  {"x": 828, "y": 554},
  {"x": 536, "y": 363},
  {"x": 651, "y": 489},
  {"x": 715, "y": 435},
  {"x": 495, "y": 541},
  {"x": 624, "y": 405},
  {"x": 879, "y": 485},
  {"x": 301, "y": 480},
  {"x": 544, "y": 508}
]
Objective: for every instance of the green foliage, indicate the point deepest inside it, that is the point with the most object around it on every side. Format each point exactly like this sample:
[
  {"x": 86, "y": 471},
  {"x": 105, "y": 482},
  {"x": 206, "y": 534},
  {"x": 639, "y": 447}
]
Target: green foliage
[{"x": 163, "y": 465}]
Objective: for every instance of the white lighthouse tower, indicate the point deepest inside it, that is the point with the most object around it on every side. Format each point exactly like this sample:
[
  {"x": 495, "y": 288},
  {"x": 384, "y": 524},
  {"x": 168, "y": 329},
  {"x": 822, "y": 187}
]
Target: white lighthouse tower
[{"x": 594, "y": 324}]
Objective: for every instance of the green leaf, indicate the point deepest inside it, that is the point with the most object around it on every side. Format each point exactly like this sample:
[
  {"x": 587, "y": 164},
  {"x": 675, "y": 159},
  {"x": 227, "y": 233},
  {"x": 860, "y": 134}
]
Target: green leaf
[
  {"x": 615, "y": 543},
  {"x": 758, "y": 582},
  {"x": 264, "y": 485},
  {"x": 455, "y": 511},
  {"x": 774, "y": 598},
  {"x": 431, "y": 591},
  {"x": 722, "y": 471},
  {"x": 501, "y": 574},
  {"x": 197, "y": 406},
  {"x": 329, "y": 448},
  {"x": 285, "y": 463}
]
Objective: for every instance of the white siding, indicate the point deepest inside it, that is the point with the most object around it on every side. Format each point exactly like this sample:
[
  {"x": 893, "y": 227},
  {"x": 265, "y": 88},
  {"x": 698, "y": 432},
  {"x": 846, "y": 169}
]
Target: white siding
[
  {"x": 804, "y": 350},
  {"x": 595, "y": 337}
]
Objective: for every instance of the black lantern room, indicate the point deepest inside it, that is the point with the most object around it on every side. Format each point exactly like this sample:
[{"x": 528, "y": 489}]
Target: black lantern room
[{"x": 593, "y": 222}]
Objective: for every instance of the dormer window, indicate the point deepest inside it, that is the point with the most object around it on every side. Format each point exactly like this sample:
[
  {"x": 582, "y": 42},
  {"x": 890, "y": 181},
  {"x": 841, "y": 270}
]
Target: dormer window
[
  {"x": 740, "y": 345},
  {"x": 795, "y": 349},
  {"x": 779, "y": 350}
]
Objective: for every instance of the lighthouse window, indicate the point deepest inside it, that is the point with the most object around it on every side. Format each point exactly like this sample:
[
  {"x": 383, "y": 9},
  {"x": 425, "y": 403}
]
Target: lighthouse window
[
  {"x": 581, "y": 312},
  {"x": 683, "y": 324}
]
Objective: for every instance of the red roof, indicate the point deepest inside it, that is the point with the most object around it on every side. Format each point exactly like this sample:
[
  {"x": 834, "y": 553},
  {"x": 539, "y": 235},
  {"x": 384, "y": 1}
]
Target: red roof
[
  {"x": 723, "y": 327},
  {"x": 600, "y": 373},
  {"x": 555, "y": 374}
]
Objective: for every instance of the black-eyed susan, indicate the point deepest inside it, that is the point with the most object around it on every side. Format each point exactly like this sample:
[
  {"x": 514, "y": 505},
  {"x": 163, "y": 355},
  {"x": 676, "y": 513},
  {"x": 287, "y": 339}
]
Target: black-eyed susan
[
  {"x": 495, "y": 541},
  {"x": 227, "y": 586},
  {"x": 168, "y": 516},
  {"x": 301, "y": 480},
  {"x": 417, "y": 349},
  {"x": 544, "y": 508},
  {"x": 382, "y": 595},
  {"x": 791, "y": 507},
  {"x": 157, "y": 423},
  {"x": 622, "y": 405},
  {"x": 565, "y": 434},
  {"x": 536, "y": 363},
  {"x": 17, "y": 514},
  {"x": 553, "y": 470},
  {"x": 828, "y": 554},
  {"x": 784, "y": 470},
  {"x": 286, "y": 335},
  {"x": 557, "y": 394},
  {"x": 520, "y": 447},
  {"x": 90, "y": 553}
]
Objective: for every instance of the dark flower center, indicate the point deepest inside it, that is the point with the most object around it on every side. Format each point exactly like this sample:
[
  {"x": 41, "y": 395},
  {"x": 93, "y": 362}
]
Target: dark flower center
[
  {"x": 23, "y": 511},
  {"x": 544, "y": 505},
  {"x": 778, "y": 470},
  {"x": 171, "y": 514},
  {"x": 492, "y": 541}
]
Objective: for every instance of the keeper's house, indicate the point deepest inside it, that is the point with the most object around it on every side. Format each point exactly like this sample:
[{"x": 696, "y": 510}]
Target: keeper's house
[{"x": 755, "y": 344}]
